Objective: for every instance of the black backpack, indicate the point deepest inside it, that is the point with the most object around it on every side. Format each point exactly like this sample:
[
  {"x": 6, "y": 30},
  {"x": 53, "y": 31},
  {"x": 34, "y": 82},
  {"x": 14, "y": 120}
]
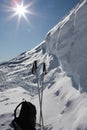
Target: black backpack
[{"x": 27, "y": 117}]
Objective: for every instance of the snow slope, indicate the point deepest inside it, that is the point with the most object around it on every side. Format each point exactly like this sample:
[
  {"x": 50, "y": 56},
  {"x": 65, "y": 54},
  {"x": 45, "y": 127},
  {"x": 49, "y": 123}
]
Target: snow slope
[{"x": 65, "y": 98}]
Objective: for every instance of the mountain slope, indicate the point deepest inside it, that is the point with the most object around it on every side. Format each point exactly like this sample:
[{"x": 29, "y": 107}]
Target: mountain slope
[
  {"x": 65, "y": 47},
  {"x": 64, "y": 52}
]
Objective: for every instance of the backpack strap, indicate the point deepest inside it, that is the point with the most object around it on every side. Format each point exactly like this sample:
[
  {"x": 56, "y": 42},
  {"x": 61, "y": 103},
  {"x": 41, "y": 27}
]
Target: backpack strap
[{"x": 17, "y": 108}]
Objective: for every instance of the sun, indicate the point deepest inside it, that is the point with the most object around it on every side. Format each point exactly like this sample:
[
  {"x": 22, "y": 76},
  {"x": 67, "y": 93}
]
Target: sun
[{"x": 20, "y": 10}]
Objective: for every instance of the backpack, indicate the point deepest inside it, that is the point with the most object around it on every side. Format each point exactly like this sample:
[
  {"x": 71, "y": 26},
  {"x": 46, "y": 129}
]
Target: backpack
[{"x": 27, "y": 117}]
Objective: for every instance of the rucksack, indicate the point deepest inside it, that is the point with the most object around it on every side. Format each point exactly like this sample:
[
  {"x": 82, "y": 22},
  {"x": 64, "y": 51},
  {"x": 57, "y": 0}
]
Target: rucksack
[{"x": 27, "y": 117}]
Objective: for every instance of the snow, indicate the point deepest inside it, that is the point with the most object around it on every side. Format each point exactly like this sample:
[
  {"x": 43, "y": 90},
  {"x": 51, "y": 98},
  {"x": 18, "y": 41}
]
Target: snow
[{"x": 64, "y": 50}]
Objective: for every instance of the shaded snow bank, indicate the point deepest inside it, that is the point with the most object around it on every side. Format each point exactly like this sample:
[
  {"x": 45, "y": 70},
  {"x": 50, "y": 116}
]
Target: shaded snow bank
[{"x": 68, "y": 41}]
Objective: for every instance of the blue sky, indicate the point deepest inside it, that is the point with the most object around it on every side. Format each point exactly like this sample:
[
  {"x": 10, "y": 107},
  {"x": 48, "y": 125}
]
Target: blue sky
[{"x": 17, "y": 39}]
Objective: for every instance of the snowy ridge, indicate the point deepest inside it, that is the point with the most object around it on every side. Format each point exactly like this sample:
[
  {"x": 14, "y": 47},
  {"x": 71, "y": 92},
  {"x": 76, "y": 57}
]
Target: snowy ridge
[
  {"x": 68, "y": 40},
  {"x": 64, "y": 50}
]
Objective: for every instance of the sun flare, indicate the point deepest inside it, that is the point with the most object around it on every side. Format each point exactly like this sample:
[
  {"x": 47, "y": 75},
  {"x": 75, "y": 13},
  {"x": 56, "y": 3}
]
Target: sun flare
[{"x": 20, "y": 10}]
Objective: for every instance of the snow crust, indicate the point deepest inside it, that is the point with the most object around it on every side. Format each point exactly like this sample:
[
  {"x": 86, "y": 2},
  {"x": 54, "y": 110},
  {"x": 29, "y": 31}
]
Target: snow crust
[{"x": 64, "y": 50}]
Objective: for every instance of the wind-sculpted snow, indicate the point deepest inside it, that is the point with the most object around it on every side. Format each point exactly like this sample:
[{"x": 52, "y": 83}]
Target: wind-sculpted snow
[
  {"x": 64, "y": 50},
  {"x": 69, "y": 42}
]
